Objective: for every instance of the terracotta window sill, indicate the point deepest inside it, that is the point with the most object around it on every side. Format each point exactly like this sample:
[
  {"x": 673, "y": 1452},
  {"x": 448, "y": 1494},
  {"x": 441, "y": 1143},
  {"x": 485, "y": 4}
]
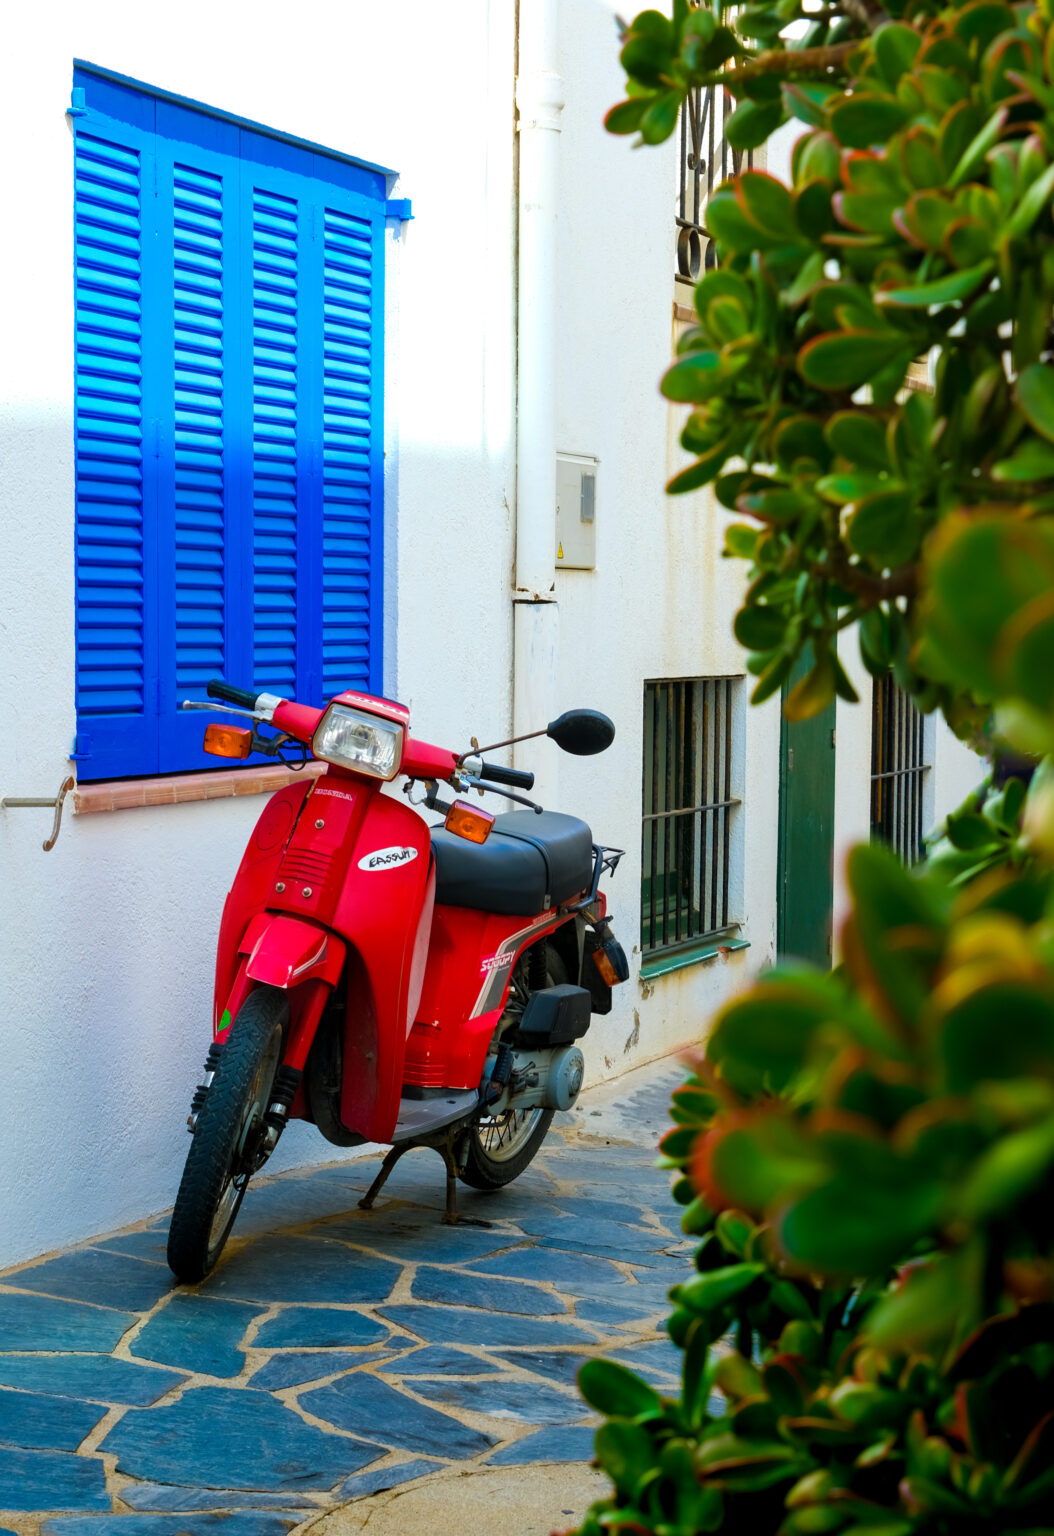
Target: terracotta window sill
[{"x": 183, "y": 788}]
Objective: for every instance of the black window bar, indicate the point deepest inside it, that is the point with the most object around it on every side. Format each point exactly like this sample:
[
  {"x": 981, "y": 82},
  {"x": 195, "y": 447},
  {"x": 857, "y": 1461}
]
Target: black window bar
[
  {"x": 707, "y": 159},
  {"x": 688, "y": 812},
  {"x": 898, "y": 769}
]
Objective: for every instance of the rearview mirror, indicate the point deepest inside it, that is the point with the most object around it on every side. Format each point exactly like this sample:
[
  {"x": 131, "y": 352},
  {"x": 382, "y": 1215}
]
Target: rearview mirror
[{"x": 582, "y": 732}]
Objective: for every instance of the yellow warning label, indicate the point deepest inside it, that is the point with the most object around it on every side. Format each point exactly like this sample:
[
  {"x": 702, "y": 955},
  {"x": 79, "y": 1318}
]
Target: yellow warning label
[{"x": 559, "y": 551}]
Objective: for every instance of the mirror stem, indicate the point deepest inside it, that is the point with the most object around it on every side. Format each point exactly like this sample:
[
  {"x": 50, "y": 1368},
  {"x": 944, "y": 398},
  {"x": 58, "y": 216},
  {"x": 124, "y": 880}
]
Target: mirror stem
[{"x": 479, "y": 751}]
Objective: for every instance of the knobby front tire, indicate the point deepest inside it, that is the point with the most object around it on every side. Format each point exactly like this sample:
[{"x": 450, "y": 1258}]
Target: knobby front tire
[{"x": 226, "y": 1136}]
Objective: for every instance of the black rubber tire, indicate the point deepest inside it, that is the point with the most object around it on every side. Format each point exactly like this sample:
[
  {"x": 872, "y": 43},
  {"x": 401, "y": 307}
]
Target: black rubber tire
[
  {"x": 216, "y": 1171},
  {"x": 481, "y": 1171}
]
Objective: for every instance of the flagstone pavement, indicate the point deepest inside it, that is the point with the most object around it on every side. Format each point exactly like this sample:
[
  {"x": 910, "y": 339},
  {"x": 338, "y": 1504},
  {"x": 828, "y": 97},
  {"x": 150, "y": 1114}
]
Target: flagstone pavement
[{"x": 337, "y": 1352}]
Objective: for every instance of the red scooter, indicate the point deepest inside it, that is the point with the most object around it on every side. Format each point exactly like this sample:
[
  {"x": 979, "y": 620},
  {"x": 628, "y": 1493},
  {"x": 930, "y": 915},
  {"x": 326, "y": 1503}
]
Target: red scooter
[{"x": 388, "y": 980}]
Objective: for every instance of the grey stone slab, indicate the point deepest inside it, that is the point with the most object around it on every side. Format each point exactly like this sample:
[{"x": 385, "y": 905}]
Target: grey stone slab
[
  {"x": 40, "y": 1323},
  {"x": 318, "y": 1328},
  {"x": 437, "y": 1360},
  {"x": 585, "y": 1233},
  {"x": 292, "y": 1202},
  {"x": 426, "y": 1240},
  {"x": 96, "y": 1275},
  {"x": 615, "y": 1313},
  {"x": 293, "y": 1368},
  {"x": 522, "y": 1402},
  {"x": 219, "y": 1436},
  {"x": 457, "y": 1288},
  {"x": 657, "y": 1263},
  {"x": 575, "y": 1273},
  {"x": 239, "y": 1522},
  {"x": 31, "y": 1481},
  {"x": 365, "y": 1483},
  {"x": 366, "y": 1405},
  {"x": 197, "y": 1333},
  {"x": 151, "y": 1245},
  {"x": 655, "y": 1354},
  {"x": 567, "y": 1442},
  {"x": 97, "y": 1378},
  {"x": 555, "y": 1364},
  {"x": 300, "y": 1269},
  {"x": 561, "y": 1365},
  {"x": 465, "y": 1325},
  {"x": 619, "y": 1212},
  {"x": 168, "y": 1497},
  {"x": 40, "y": 1423}
]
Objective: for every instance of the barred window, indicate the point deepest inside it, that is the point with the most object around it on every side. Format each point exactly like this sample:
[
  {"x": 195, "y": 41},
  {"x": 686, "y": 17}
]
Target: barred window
[
  {"x": 692, "y": 773},
  {"x": 898, "y": 770}
]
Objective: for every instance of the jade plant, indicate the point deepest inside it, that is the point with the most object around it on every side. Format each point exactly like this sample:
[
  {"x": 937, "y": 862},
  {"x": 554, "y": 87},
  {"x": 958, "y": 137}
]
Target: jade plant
[
  {"x": 916, "y": 230},
  {"x": 867, "y": 1157}
]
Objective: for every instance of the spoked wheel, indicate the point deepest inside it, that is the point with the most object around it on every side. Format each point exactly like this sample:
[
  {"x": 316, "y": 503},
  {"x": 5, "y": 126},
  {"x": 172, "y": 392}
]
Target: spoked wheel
[
  {"x": 501, "y": 1146},
  {"x": 228, "y": 1135}
]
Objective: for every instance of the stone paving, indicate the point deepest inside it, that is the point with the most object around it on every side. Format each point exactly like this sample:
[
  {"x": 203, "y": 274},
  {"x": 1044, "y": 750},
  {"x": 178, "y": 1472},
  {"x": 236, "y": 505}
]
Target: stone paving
[{"x": 335, "y": 1352}]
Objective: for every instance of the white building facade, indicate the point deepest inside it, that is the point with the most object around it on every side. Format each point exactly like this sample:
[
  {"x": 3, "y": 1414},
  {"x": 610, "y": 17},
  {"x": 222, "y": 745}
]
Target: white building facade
[{"x": 528, "y": 314}]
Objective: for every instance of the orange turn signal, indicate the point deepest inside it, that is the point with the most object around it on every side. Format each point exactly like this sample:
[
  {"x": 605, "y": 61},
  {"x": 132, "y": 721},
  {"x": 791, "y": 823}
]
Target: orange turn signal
[
  {"x": 605, "y": 967},
  {"x": 468, "y": 822},
  {"x": 228, "y": 740}
]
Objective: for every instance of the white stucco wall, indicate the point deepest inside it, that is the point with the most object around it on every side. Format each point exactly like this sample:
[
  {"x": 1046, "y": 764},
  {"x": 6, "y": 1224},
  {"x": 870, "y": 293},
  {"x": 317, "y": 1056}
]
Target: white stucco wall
[{"x": 106, "y": 944}]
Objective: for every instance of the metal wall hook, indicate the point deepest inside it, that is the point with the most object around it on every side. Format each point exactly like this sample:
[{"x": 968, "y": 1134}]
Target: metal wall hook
[{"x": 12, "y": 802}]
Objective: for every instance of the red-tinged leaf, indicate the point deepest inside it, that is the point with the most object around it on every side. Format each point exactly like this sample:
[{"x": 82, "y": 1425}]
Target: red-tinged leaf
[
  {"x": 953, "y": 288},
  {"x": 701, "y": 472},
  {"x": 626, "y": 116},
  {"x": 842, "y": 360},
  {"x": 695, "y": 379},
  {"x": 865, "y": 119},
  {"x": 767, "y": 203}
]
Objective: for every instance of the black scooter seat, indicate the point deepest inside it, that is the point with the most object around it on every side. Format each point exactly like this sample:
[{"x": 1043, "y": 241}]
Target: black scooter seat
[{"x": 528, "y": 863}]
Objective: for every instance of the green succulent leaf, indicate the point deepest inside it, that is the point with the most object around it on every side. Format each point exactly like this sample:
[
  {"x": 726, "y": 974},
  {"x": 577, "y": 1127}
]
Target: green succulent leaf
[{"x": 1035, "y": 395}]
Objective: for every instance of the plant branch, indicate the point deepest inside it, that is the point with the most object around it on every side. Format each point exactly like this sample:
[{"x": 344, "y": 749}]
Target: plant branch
[
  {"x": 874, "y": 589},
  {"x": 792, "y": 61}
]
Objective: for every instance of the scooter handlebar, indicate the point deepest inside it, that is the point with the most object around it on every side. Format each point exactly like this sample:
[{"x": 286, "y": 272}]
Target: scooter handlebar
[
  {"x": 216, "y": 689},
  {"x": 516, "y": 778}
]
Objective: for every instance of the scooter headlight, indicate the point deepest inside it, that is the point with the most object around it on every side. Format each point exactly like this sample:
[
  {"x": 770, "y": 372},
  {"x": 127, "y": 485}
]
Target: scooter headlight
[{"x": 364, "y": 743}]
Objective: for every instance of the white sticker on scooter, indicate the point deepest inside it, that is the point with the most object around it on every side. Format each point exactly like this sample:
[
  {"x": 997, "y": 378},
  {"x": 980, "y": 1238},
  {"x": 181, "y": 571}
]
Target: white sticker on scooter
[{"x": 387, "y": 858}]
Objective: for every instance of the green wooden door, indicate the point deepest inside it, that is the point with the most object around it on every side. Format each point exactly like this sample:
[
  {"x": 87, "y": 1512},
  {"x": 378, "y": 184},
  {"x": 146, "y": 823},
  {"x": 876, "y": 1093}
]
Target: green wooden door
[{"x": 805, "y": 891}]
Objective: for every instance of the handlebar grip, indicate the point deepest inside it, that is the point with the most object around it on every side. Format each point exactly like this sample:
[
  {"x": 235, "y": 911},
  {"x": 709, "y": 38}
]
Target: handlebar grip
[
  {"x": 216, "y": 689},
  {"x": 516, "y": 778}
]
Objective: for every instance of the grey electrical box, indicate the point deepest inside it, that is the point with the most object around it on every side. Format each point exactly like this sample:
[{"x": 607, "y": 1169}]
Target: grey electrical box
[{"x": 576, "y": 511}]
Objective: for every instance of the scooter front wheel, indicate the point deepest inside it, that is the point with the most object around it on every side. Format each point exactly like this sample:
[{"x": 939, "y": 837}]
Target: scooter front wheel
[{"x": 225, "y": 1148}]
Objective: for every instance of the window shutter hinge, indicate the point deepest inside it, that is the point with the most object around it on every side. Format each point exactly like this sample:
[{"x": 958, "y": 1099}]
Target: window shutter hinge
[
  {"x": 81, "y": 747},
  {"x": 790, "y": 759},
  {"x": 78, "y": 106},
  {"x": 398, "y": 208}
]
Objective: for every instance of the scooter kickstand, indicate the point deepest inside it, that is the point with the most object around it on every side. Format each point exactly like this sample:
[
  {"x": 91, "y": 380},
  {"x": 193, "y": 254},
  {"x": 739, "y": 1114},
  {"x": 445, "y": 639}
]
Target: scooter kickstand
[
  {"x": 391, "y": 1158},
  {"x": 451, "y": 1218}
]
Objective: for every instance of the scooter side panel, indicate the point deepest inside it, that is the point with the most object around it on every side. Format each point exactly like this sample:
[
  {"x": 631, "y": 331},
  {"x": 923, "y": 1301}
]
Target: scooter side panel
[
  {"x": 470, "y": 963},
  {"x": 253, "y": 883},
  {"x": 380, "y": 911}
]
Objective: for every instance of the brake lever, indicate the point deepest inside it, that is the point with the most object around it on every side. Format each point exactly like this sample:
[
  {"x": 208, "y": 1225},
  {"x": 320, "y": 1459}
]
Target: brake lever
[{"x": 473, "y": 783}]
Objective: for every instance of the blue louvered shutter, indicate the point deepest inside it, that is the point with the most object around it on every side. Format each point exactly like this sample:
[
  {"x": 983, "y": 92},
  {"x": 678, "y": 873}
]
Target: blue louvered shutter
[
  {"x": 229, "y": 303},
  {"x": 115, "y": 483}
]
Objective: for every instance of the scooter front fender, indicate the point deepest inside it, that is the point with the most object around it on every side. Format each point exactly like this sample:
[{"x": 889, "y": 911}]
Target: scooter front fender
[{"x": 286, "y": 951}]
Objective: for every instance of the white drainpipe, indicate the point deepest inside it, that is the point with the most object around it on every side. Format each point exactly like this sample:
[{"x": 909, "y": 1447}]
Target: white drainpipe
[{"x": 539, "y": 102}]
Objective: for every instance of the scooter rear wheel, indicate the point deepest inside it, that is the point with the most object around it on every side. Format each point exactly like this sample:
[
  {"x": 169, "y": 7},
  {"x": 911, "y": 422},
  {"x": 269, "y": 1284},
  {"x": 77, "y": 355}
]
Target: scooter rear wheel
[
  {"x": 501, "y": 1146},
  {"x": 226, "y": 1145}
]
